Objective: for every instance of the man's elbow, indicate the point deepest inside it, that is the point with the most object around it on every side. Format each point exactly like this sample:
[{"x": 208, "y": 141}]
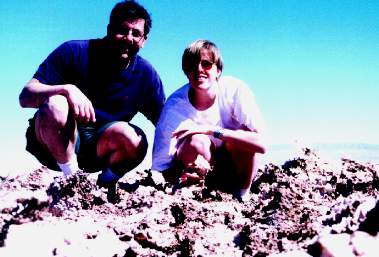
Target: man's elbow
[
  {"x": 263, "y": 142},
  {"x": 261, "y": 149},
  {"x": 23, "y": 98},
  {"x": 28, "y": 95},
  {"x": 261, "y": 145}
]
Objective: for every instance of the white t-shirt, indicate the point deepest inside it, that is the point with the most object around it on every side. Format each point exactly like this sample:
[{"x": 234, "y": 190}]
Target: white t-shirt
[{"x": 234, "y": 108}]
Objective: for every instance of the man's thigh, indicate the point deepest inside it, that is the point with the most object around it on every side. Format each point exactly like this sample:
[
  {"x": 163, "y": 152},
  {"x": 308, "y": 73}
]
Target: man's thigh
[
  {"x": 88, "y": 138},
  {"x": 125, "y": 140},
  {"x": 38, "y": 150}
]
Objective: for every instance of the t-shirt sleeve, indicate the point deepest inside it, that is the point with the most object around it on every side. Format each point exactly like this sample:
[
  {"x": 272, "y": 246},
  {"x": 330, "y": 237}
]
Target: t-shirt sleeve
[
  {"x": 175, "y": 113},
  {"x": 245, "y": 108},
  {"x": 154, "y": 98},
  {"x": 164, "y": 144},
  {"x": 155, "y": 101},
  {"x": 55, "y": 68}
]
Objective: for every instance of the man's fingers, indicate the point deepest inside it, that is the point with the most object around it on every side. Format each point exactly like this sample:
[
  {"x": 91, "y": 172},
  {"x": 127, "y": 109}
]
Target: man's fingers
[
  {"x": 76, "y": 111},
  {"x": 87, "y": 114},
  {"x": 177, "y": 133},
  {"x": 189, "y": 179},
  {"x": 82, "y": 113},
  {"x": 92, "y": 114}
]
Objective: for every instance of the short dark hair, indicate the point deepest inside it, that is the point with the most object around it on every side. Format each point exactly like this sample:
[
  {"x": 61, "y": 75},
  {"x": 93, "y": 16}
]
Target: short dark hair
[
  {"x": 191, "y": 54},
  {"x": 129, "y": 10}
]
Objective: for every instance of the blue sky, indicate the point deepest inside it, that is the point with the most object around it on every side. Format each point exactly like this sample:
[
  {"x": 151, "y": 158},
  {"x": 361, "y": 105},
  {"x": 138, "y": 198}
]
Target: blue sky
[{"x": 313, "y": 65}]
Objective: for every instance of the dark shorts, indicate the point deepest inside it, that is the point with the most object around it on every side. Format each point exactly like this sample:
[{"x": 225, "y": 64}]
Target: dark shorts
[
  {"x": 224, "y": 176},
  {"x": 85, "y": 148}
]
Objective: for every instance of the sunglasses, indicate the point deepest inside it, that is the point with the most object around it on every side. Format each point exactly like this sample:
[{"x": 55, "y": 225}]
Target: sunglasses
[
  {"x": 206, "y": 65},
  {"x": 124, "y": 32}
]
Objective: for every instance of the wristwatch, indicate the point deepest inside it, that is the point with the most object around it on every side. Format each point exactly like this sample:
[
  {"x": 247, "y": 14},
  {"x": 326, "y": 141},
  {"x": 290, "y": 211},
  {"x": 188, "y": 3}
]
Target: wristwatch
[{"x": 218, "y": 133}]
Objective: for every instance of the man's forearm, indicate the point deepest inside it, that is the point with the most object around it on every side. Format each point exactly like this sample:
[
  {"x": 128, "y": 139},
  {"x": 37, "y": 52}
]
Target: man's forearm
[
  {"x": 248, "y": 140},
  {"x": 34, "y": 94}
]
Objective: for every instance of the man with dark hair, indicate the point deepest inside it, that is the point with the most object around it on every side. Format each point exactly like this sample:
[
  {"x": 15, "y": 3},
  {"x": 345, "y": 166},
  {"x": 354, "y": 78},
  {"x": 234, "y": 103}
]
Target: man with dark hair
[{"x": 87, "y": 91}]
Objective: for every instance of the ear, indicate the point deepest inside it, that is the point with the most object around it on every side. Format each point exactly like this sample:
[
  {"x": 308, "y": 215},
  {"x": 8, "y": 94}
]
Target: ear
[
  {"x": 142, "y": 44},
  {"x": 218, "y": 73}
]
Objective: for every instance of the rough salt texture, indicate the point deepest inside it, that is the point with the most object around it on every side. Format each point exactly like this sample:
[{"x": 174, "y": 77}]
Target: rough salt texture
[{"x": 306, "y": 207}]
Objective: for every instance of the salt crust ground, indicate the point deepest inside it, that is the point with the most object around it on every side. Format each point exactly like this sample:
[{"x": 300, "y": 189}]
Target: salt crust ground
[{"x": 305, "y": 207}]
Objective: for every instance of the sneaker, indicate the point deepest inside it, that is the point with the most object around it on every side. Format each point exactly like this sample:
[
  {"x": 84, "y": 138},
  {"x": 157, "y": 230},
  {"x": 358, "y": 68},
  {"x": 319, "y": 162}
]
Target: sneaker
[
  {"x": 107, "y": 179},
  {"x": 105, "y": 184}
]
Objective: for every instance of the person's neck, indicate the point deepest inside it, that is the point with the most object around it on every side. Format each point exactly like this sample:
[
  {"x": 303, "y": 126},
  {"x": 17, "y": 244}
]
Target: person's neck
[
  {"x": 202, "y": 99},
  {"x": 124, "y": 64},
  {"x": 120, "y": 64},
  {"x": 115, "y": 59}
]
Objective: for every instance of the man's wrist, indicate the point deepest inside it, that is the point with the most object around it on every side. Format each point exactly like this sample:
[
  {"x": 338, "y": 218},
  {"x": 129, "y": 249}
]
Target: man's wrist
[
  {"x": 64, "y": 90},
  {"x": 218, "y": 133}
]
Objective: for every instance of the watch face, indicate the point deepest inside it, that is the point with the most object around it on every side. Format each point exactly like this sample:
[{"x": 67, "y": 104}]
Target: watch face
[{"x": 217, "y": 134}]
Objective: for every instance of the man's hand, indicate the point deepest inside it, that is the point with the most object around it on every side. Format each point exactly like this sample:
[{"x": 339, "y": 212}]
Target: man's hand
[
  {"x": 189, "y": 129},
  {"x": 196, "y": 172},
  {"x": 80, "y": 104}
]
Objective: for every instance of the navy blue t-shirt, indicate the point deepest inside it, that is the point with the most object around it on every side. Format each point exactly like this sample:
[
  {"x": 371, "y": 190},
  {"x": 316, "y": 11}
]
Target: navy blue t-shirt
[{"x": 117, "y": 95}]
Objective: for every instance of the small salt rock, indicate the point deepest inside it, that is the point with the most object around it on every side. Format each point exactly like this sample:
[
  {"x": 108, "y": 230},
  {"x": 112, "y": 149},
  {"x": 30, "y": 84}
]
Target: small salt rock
[
  {"x": 362, "y": 210},
  {"x": 336, "y": 245},
  {"x": 364, "y": 244},
  {"x": 98, "y": 192},
  {"x": 328, "y": 188},
  {"x": 187, "y": 192},
  {"x": 41, "y": 196},
  {"x": 296, "y": 253},
  {"x": 199, "y": 248},
  {"x": 180, "y": 236},
  {"x": 169, "y": 190}
]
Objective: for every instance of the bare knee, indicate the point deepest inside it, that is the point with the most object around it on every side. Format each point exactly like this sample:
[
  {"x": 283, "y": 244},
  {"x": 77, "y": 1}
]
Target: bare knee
[
  {"x": 200, "y": 143},
  {"x": 123, "y": 133},
  {"x": 54, "y": 111},
  {"x": 124, "y": 142},
  {"x": 194, "y": 146}
]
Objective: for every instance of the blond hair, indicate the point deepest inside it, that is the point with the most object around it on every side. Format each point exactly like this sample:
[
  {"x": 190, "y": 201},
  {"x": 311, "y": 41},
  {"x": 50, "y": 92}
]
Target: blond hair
[{"x": 191, "y": 55}]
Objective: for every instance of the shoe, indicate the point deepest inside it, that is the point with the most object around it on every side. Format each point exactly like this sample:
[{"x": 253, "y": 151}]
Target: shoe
[
  {"x": 111, "y": 188},
  {"x": 105, "y": 184}
]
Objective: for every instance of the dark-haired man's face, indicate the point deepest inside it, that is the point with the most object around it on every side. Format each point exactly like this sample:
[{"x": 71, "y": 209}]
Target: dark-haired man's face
[{"x": 127, "y": 38}]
